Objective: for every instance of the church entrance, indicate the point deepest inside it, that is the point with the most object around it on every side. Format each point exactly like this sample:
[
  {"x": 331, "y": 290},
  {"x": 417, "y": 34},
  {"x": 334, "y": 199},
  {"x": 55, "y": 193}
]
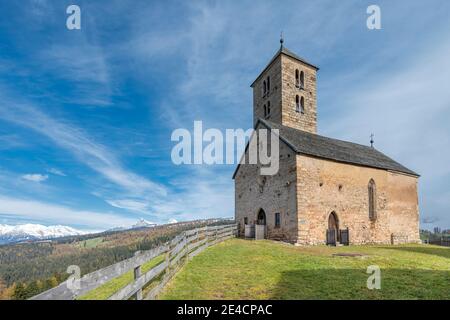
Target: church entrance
[
  {"x": 333, "y": 234},
  {"x": 260, "y": 228},
  {"x": 261, "y": 219}
]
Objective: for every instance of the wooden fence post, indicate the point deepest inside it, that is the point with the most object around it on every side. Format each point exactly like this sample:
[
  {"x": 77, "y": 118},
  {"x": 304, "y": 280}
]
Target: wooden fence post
[
  {"x": 185, "y": 247},
  {"x": 168, "y": 258},
  {"x": 137, "y": 275}
]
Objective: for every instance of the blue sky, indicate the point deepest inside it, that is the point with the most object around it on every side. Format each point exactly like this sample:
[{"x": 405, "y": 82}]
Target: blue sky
[{"x": 86, "y": 115}]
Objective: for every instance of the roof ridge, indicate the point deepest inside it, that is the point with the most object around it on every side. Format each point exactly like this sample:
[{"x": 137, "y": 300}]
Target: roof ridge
[
  {"x": 286, "y": 51},
  {"x": 308, "y": 143},
  {"x": 322, "y": 136}
]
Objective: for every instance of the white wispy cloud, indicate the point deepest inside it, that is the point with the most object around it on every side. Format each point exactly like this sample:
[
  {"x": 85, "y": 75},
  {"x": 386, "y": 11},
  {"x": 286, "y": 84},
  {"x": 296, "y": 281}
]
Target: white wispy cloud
[
  {"x": 206, "y": 193},
  {"x": 74, "y": 140},
  {"x": 57, "y": 172},
  {"x": 51, "y": 213},
  {"x": 11, "y": 141},
  {"x": 129, "y": 204},
  {"x": 35, "y": 177}
]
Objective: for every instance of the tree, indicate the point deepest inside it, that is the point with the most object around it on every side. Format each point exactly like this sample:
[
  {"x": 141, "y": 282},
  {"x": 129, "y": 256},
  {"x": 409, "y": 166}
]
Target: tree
[
  {"x": 20, "y": 292},
  {"x": 6, "y": 293},
  {"x": 32, "y": 289}
]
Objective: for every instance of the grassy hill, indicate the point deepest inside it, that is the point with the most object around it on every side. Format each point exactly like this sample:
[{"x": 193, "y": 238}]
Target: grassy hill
[
  {"x": 30, "y": 268},
  {"x": 241, "y": 269}
]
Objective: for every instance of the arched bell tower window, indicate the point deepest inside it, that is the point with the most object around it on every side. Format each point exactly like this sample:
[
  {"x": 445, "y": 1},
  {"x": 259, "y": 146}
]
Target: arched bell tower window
[
  {"x": 372, "y": 200},
  {"x": 264, "y": 87},
  {"x": 299, "y": 104},
  {"x": 302, "y": 80},
  {"x": 299, "y": 79}
]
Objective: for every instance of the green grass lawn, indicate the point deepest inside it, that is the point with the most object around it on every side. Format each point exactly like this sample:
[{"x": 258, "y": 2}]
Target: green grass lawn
[
  {"x": 106, "y": 290},
  {"x": 90, "y": 243},
  {"x": 243, "y": 269}
]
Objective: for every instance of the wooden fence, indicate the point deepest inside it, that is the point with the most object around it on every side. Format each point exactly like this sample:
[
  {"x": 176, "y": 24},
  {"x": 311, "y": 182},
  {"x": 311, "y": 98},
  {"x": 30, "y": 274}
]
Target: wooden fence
[
  {"x": 182, "y": 248},
  {"x": 444, "y": 241}
]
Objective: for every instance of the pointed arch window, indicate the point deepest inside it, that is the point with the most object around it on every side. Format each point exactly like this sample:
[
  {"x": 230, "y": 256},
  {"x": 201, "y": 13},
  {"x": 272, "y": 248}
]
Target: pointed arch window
[
  {"x": 268, "y": 85},
  {"x": 302, "y": 80},
  {"x": 299, "y": 79},
  {"x": 265, "y": 111},
  {"x": 372, "y": 200},
  {"x": 268, "y": 108},
  {"x": 264, "y": 87},
  {"x": 299, "y": 104}
]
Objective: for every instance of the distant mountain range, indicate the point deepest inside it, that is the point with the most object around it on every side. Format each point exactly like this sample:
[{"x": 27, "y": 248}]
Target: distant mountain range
[
  {"x": 37, "y": 232},
  {"x": 141, "y": 223},
  {"x": 34, "y": 232}
]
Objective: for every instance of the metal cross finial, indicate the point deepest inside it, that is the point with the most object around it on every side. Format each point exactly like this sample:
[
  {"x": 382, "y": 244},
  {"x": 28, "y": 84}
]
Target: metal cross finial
[
  {"x": 281, "y": 39},
  {"x": 371, "y": 140}
]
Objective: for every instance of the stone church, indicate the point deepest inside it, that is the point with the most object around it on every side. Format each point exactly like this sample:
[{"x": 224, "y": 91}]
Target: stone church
[{"x": 326, "y": 191}]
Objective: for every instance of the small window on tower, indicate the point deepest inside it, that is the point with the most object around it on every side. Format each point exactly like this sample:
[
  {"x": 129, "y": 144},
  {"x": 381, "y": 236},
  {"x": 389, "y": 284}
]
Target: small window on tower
[
  {"x": 302, "y": 80},
  {"x": 297, "y": 78},
  {"x": 268, "y": 85},
  {"x": 302, "y": 105},
  {"x": 297, "y": 103},
  {"x": 268, "y": 108},
  {"x": 277, "y": 220},
  {"x": 264, "y": 87},
  {"x": 265, "y": 111}
]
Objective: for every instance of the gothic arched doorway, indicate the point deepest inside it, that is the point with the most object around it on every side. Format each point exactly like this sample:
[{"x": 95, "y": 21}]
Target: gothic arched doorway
[
  {"x": 333, "y": 222},
  {"x": 261, "y": 218},
  {"x": 333, "y": 234},
  {"x": 261, "y": 227}
]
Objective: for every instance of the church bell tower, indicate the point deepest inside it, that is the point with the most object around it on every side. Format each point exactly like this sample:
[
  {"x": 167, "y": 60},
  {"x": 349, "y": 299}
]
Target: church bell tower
[{"x": 285, "y": 92}]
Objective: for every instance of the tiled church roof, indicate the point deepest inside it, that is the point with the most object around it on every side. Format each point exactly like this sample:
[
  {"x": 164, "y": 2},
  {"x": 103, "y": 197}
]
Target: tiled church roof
[
  {"x": 306, "y": 143},
  {"x": 323, "y": 147}
]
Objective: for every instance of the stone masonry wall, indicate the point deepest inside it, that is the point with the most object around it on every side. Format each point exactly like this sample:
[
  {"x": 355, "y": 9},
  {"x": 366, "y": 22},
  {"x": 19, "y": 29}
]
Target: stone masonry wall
[
  {"x": 274, "y": 95},
  {"x": 324, "y": 186},
  {"x": 273, "y": 194},
  {"x": 306, "y": 121}
]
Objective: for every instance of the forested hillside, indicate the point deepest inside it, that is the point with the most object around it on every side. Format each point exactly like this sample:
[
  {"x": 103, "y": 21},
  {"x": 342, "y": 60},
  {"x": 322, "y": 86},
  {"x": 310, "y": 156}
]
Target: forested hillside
[{"x": 30, "y": 268}]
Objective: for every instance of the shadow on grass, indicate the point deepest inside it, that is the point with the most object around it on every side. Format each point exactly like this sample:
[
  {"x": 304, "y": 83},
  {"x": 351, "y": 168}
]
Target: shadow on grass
[
  {"x": 442, "y": 251},
  {"x": 352, "y": 284}
]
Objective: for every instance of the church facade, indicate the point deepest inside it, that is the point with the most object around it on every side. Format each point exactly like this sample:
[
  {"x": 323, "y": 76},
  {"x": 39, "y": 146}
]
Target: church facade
[{"x": 326, "y": 190}]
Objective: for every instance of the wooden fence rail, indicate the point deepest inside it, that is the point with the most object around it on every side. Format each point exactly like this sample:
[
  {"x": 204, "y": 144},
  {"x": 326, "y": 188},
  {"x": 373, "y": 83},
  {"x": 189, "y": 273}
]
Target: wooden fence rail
[{"x": 177, "y": 251}]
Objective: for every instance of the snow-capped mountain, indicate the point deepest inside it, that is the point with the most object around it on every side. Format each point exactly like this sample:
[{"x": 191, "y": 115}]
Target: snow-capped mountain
[
  {"x": 143, "y": 224},
  {"x": 31, "y": 232}
]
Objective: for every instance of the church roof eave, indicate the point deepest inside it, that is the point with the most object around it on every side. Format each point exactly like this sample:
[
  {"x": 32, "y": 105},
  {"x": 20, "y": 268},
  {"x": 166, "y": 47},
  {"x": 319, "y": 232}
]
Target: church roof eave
[{"x": 314, "y": 145}]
